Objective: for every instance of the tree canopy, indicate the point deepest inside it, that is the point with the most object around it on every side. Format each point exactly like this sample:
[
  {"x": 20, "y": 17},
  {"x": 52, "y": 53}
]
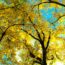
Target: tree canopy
[{"x": 32, "y": 32}]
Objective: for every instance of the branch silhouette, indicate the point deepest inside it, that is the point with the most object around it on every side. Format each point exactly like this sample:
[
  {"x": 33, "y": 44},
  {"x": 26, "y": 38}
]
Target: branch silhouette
[{"x": 50, "y": 1}]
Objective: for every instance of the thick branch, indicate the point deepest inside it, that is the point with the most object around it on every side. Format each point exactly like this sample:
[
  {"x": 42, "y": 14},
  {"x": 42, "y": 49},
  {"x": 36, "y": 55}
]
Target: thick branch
[
  {"x": 48, "y": 42},
  {"x": 58, "y": 3},
  {"x": 43, "y": 39},
  {"x": 50, "y": 2}
]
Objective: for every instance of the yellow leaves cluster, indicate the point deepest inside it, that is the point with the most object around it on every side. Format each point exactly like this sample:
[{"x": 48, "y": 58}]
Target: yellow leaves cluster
[
  {"x": 7, "y": 51},
  {"x": 53, "y": 5},
  {"x": 14, "y": 1},
  {"x": 32, "y": 15},
  {"x": 39, "y": 54},
  {"x": 2, "y": 6},
  {"x": 56, "y": 43},
  {"x": 22, "y": 35},
  {"x": 62, "y": 19},
  {"x": 43, "y": 0},
  {"x": 41, "y": 6},
  {"x": 43, "y": 26},
  {"x": 4, "y": 23}
]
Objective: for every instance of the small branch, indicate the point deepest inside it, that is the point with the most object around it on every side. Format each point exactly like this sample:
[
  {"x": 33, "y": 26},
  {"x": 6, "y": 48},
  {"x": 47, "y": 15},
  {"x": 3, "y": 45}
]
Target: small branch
[
  {"x": 38, "y": 10},
  {"x": 40, "y": 40},
  {"x": 52, "y": 57},
  {"x": 48, "y": 40},
  {"x": 31, "y": 54},
  {"x": 10, "y": 6},
  {"x": 3, "y": 34},
  {"x": 58, "y": 19},
  {"x": 36, "y": 62},
  {"x": 36, "y": 30},
  {"x": 30, "y": 34},
  {"x": 58, "y": 56}
]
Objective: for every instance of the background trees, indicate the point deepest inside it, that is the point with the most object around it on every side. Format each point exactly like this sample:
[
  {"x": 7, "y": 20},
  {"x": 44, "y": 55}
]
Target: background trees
[{"x": 32, "y": 32}]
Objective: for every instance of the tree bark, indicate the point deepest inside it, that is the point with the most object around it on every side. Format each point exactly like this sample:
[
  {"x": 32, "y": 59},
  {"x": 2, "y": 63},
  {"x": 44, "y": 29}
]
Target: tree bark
[{"x": 44, "y": 57}]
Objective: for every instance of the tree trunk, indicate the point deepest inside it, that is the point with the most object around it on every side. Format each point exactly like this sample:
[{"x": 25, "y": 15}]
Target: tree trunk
[{"x": 44, "y": 57}]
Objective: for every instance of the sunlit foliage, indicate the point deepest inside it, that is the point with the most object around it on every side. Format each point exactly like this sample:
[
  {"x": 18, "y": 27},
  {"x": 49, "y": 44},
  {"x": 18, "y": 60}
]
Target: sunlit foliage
[{"x": 32, "y": 32}]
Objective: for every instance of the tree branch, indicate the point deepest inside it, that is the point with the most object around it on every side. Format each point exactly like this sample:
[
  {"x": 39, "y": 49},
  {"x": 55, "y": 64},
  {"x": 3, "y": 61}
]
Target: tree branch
[
  {"x": 58, "y": 19},
  {"x": 58, "y": 56},
  {"x": 48, "y": 40},
  {"x": 52, "y": 57},
  {"x": 30, "y": 34},
  {"x": 50, "y": 1},
  {"x": 36, "y": 30},
  {"x": 10, "y": 6},
  {"x": 43, "y": 39},
  {"x": 36, "y": 62},
  {"x": 31, "y": 54},
  {"x": 3, "y": 34},
  {"x": 58, "y": 3}
]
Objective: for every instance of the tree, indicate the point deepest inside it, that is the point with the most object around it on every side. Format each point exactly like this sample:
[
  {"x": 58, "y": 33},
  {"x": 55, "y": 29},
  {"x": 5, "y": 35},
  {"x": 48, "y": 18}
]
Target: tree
[{"x": 32, "y": 25}]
